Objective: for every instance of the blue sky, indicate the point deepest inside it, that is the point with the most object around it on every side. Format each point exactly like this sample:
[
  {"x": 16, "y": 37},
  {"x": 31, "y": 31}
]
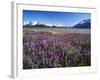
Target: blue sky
[{"x": 60, "y": 18}]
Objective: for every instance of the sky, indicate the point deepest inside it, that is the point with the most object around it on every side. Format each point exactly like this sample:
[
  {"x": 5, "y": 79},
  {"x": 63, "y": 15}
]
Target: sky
[{"x": 60, "y": 18}]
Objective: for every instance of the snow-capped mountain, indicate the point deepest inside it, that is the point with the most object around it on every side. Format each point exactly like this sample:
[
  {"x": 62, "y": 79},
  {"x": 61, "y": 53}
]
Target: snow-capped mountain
[
  {"x": 83, "y": 24},
  {"x": 34, "y": 23},
  {"x": 31, "y": 23},
  {"x": 85, "y": 21},
  {"x": 38, "y": 24}
]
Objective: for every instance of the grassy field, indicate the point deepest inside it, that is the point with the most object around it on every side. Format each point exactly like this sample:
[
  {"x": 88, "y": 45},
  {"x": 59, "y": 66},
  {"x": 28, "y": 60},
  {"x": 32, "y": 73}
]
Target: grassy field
[{"x": 58, "y": 30}]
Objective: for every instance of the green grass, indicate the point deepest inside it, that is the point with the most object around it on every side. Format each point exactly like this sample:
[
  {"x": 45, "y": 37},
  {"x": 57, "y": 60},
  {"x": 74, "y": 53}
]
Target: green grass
[{"x": 58, "y": 30}]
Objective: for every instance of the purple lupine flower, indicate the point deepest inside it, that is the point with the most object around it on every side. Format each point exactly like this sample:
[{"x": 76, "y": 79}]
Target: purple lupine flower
[{"x": 71, "y": 48}]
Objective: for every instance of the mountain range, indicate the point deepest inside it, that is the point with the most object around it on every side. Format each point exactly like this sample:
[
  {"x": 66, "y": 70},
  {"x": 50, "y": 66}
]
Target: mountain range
[{"x": 83, "y": 24}]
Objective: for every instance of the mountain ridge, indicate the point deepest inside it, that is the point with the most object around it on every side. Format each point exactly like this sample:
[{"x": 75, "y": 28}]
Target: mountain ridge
[{"x": 82, "y": 24}]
